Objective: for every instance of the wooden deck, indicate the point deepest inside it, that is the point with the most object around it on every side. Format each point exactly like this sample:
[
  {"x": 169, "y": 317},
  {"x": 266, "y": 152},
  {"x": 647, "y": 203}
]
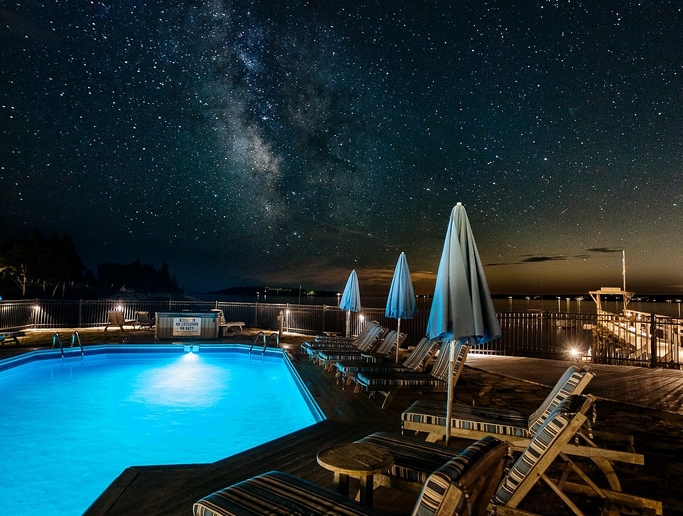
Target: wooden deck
[
  {"x": 658, "y": 389},
  {"x": 645, "y": 402}
]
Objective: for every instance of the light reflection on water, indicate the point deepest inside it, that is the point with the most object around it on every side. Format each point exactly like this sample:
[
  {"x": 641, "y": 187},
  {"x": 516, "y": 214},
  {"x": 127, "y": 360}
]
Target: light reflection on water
[
  {"x": 189, "y": 382},
  {"x": 72, "y": 426}
]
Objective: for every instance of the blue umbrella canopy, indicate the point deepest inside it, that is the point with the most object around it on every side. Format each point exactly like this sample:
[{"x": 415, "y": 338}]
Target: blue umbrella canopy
[
  {"x": 401, "y": 301},
  {"x": 350, "y": 300},
  {"x": 462, "y": 308}
]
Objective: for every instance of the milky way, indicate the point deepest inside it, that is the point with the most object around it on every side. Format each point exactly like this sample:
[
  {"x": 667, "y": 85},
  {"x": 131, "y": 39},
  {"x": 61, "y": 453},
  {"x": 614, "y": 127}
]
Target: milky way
[{"x": 259, "y": 143}]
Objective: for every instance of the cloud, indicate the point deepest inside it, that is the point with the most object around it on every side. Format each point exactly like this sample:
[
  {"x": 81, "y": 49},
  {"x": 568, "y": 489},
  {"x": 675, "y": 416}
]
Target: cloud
[
  {"x": 538, "y": 259},
  {"x": 529, "y": 259},
  {"x": 603, "y": 250}
]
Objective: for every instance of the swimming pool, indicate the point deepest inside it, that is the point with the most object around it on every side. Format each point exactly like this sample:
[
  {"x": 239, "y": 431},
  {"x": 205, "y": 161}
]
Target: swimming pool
[{"x": 69, "y": 426}]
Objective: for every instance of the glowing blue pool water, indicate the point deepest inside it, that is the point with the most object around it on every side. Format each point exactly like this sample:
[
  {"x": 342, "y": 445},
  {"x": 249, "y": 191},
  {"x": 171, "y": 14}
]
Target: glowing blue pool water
[{"x": 69, "y": 426}]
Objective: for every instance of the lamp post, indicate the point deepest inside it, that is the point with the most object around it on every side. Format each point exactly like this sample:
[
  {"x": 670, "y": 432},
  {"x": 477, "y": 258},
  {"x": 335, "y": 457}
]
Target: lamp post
[{"x": 256, "y": 310}]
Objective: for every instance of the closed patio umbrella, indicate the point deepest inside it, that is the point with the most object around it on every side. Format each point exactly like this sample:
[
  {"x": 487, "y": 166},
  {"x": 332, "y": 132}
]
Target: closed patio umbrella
[
  {"x": 401, "y": 300},
  {"x": 462, "y": 308},
  {"x": 350, "y": 300}
]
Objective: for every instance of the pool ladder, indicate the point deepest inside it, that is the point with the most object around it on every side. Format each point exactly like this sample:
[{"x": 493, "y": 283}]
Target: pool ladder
[
  {"x": 75, "y": 337},
  {"x": 265, "y": 342}
]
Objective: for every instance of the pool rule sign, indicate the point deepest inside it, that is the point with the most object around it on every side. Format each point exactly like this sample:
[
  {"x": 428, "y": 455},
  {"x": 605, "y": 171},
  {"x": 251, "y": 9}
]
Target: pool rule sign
[{"x": 186, "y": 327}]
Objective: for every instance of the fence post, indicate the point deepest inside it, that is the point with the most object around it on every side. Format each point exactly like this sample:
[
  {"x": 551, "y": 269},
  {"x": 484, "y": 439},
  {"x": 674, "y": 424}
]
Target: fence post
[{"x": 653, "y": 340}]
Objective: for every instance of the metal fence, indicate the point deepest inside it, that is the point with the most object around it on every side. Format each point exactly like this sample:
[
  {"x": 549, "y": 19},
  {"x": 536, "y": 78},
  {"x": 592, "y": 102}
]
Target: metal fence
[{"x": 637, "y": 338}]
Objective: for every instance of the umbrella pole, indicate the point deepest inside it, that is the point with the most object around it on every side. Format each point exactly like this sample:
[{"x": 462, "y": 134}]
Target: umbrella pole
[
  {"x": 449, "y": 396},
  {"x": 398, "y": 337},
  {"x": 348, "y": 322}
]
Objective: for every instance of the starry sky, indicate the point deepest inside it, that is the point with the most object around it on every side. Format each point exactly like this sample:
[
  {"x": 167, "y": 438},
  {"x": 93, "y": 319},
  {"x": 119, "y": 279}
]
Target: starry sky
[{"x": 286, "y": 143}]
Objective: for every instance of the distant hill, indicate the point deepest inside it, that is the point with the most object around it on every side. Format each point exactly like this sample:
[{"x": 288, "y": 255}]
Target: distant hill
[{"x": 273, "y": 291}]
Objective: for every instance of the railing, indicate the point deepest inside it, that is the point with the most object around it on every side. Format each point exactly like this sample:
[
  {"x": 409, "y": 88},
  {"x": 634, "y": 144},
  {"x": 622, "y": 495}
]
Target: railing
[
  {"x": 276, "y": 338},
  {"x": 261, "y": 334},
  {"x": 634, "y": 339},
  {"x": 57, "y": 339},
  {"x": 75, "y": 336}
]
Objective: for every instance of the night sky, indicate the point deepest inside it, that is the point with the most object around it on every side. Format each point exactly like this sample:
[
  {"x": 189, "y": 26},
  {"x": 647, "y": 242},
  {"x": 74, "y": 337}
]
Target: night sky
[{"x": 286, "y": 143}]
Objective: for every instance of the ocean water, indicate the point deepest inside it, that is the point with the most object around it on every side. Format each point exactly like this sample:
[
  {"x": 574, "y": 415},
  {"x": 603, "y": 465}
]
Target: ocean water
[{"x": 549, "y": 303}]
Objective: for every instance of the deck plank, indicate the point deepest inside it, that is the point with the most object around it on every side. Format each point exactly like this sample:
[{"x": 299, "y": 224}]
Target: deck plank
[{"x": 660, "y": 389}]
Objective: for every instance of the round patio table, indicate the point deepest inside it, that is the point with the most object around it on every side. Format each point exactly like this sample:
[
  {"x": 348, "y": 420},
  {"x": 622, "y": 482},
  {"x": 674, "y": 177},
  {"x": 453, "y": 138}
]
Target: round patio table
[{"x": 358, "y": 460}]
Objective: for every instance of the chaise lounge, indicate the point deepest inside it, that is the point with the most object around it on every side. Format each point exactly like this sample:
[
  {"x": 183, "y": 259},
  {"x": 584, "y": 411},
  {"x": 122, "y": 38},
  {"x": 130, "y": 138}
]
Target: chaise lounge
[
  {"x": 415, "y": 459},
  {"x": 116, "y": 318},
  {"x": 14, "y": 335},
  {"x": 328, "y": 358},
  {"x": 470, "y": 422},
  {"x": 548, "y": 444},
  {"x": 365, "y": 342},
  {"x": 388, "y": 384},
  {"x": 463, "y": 485},
  {"x": 144, "y": 320},
  {"x": 473, "y": 422},
  {"x": 416, "y": 361}
]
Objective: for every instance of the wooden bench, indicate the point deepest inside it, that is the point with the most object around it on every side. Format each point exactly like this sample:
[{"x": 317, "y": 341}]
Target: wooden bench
[
  {"x": 14, "y": 335},
  {"x": 229, "y": 327}
]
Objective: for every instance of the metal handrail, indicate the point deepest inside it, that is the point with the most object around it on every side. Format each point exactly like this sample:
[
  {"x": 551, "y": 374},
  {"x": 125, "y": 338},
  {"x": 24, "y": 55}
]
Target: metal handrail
[
  {"x": 261, "y": 334},
  {"x": 56, "y": 337},
  {"x": 277, "y": 341},
  {"x": 77, "y": 336}
]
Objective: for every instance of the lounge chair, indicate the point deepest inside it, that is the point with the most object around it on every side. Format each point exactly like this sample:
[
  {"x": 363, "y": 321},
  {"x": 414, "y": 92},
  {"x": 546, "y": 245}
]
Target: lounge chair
[
  {"x": 389, "y": 384},
  {"x": 116, "y": 319},
  {"x": 144, "y": 320},
  {"x": 545, "y": 447},
  {"x": 227, "y": 327},
  {"x": 414, "y": 459},
  {"x": 474, "y": 422},
  {"x": 366, "y": 342},
  {"x": 417, "y": 361},
  {"x": 335, "y": 337},
  {"x": 14, "y": 335},
  {"x": 330, "y": 341},
  {"x": 463, "y": 485},
  {"x": 517, "y": 429},
  {"x": 383, "y": 348}
]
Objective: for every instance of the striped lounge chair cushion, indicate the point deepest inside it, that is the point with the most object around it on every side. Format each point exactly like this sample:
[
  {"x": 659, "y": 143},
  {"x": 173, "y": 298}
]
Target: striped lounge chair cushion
[
  {"x": 466, "y": 417},
  {"x": 413, "y": 362},
  {"x": 352, "y": 350},
  {"x": 352, "y": 367},
  {"x": 438, "y": 377},
  {"x": 422, "y": 352},
  {"x": 440, "y": 369},
  {"x": 378, "y": 380},
  {"x": 278, "y": 494},
  {"x": 443, "y": 483},
  {"x": 542, "y": 440},
  {"x": 414, "y": 459},
  {"x": 363, "y": 342},
  {"x": 329, "y": 355},
  {"x": 314, "y": 346},
  {"x": 573, "y": 381},
  {"x": 385, "y": 346}
]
